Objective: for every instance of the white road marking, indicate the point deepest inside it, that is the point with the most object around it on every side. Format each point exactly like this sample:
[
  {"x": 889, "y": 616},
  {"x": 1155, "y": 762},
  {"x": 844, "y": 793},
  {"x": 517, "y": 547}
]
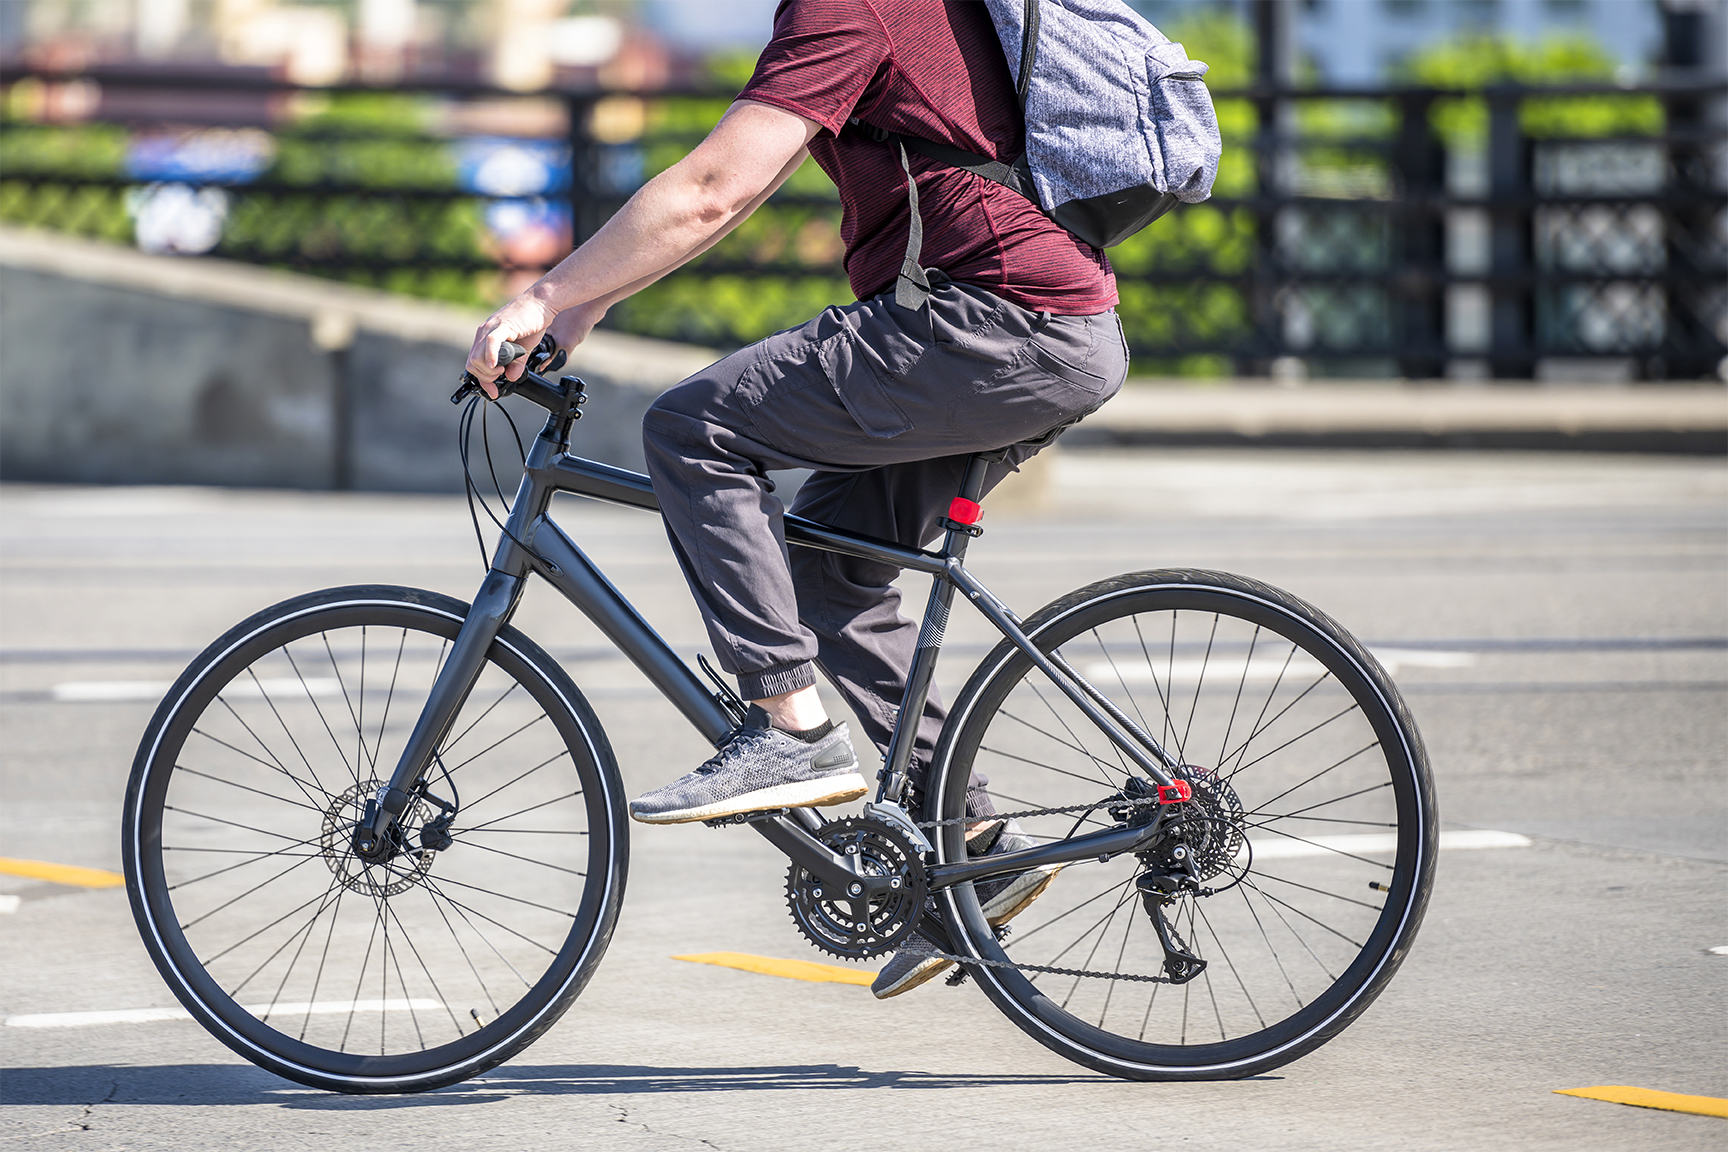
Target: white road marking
[
  {"x": 1719, "y": 950},
  {"x": 280, "y": 688},
  {"x": 1234, "y": 669},
  {"x": 150, "y": 1015},
  {"x": 9, "y": 904},
  {"x": 1278, "y": 848}
]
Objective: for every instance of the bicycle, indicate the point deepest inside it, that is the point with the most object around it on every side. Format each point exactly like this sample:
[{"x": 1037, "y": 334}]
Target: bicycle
[{"x": 375, "y": 839}]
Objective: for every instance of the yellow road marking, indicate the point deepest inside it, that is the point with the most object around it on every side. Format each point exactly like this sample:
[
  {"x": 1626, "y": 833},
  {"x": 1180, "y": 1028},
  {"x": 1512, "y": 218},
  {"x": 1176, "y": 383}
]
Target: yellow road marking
[
  {"x": 790, "y": 969},
  {"x": 61, "y": 873},
  {"x": 1650, "y": 1098}
]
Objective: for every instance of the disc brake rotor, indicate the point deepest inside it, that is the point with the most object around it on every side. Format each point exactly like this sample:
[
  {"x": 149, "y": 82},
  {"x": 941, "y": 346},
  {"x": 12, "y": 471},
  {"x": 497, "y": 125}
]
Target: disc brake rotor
[{"x": 403, "y": 871}]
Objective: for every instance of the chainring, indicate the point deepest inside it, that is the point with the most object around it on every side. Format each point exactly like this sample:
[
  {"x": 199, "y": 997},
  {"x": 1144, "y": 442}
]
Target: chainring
[{"x": 855, "y": 926}]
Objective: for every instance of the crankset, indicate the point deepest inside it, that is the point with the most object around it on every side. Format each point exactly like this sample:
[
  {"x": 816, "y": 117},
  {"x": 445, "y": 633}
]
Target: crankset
[{"x": 848, "y": 921}]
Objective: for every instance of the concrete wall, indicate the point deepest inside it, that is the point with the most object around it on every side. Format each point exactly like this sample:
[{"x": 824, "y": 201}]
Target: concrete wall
[{"x": 118, "y": 367}]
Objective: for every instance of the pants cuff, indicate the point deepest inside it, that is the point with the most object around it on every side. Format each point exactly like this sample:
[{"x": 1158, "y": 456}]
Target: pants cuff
[{"x": 776, "y": 681}]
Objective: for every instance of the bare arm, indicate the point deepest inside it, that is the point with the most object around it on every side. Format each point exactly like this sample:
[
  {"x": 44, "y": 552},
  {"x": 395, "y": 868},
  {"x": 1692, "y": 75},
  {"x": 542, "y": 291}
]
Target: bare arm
[
  {"x": 573, "y": 324},
  {"x": 670, "y": 220}
]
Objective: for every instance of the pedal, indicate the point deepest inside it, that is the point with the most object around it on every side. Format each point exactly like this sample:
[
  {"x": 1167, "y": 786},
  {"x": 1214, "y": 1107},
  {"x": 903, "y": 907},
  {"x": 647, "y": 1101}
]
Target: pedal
[{"x": 748, "y": 817}]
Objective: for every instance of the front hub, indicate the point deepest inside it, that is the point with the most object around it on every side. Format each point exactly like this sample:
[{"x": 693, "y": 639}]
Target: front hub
[{"x": 360, "y": 859}]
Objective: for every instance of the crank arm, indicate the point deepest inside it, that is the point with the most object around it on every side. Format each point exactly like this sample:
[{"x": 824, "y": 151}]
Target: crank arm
[
  {"x": 804, "y": 850},
  {"x": 1092, "y": 846}
]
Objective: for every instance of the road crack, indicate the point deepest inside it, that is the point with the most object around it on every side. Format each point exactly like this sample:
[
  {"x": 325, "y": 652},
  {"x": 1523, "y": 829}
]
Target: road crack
[{"x": 697, "y": 1141}]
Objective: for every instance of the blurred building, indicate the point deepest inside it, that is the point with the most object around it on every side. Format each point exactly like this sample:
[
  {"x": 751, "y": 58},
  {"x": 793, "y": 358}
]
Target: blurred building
[
  {"x": 1363, "y": 42},
  {"x": 520, "y": 44}
]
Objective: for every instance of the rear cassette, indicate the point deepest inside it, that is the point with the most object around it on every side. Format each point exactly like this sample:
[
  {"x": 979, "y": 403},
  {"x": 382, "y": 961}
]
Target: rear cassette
[{"x": 852, "y": 924}]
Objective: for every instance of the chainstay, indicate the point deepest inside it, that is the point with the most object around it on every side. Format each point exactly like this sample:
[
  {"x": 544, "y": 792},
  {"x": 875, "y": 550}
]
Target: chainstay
[{"x": 1069, "y": 809}]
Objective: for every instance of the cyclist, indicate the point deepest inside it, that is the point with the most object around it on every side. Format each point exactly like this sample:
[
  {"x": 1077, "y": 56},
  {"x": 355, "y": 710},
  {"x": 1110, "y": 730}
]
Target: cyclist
[{"x": 884, "y": 399}]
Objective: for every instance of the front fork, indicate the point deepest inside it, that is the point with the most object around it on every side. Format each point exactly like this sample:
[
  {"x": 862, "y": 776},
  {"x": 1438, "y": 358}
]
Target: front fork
[{"x": 373, "y": 840}]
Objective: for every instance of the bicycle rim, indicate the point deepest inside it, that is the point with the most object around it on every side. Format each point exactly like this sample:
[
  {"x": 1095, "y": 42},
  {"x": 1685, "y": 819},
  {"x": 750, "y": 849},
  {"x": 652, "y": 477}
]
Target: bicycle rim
[
  {"x": 1312, "y": 829},
  {"x": 361, "y": 977}
]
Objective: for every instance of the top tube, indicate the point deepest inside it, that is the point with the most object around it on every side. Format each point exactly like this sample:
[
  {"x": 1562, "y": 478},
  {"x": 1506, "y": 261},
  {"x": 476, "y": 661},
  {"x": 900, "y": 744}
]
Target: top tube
[{"x": 621, "y": 486}]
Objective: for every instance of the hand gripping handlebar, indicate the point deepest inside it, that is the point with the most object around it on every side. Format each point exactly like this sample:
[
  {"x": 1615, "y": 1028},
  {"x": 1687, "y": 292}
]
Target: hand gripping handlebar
[
  {"x": 508, "y": 354},
  {"x": 531, "y": 385}
]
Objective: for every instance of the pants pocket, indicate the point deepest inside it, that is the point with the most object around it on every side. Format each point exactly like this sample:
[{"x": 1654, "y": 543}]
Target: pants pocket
[
  {"x": 860, "y": 382},
  {"x": 1068, "y": 349}
]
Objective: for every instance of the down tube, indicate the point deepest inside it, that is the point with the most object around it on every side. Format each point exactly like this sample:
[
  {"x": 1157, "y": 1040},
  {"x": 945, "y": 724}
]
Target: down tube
[{"x": 574, "y": 575}]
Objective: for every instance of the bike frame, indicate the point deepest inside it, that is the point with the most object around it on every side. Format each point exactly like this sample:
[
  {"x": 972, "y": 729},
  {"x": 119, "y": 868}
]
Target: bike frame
[{"x": 533, "y": 544}]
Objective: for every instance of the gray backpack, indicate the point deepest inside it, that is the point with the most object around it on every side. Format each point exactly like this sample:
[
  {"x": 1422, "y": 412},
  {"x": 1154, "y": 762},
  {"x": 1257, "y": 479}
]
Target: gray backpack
[{"x": 1119, "y": 125}]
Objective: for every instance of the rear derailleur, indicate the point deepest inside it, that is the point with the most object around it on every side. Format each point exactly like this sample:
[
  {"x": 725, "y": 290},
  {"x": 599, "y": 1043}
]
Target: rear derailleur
[{"x": 1169, "y": 876}]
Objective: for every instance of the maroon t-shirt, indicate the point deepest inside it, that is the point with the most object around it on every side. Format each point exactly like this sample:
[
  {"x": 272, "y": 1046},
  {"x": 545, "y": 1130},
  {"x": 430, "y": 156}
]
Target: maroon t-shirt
[{"x": 936, "y": 71}]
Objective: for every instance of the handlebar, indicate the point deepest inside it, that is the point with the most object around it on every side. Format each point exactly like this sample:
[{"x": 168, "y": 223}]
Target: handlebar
[{"x": 562, "y": 397}]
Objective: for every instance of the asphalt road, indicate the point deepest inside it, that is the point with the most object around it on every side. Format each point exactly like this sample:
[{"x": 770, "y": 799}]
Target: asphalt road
[{"x": 1589, "y": 715}]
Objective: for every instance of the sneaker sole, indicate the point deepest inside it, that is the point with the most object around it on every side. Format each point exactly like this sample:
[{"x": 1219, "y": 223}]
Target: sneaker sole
[
  {"x": 1012, "y": 900},
  {"x": 1018, "y": 898},
  {"x": 928, "y": 970},
  {"x": 803, "y": 794}
]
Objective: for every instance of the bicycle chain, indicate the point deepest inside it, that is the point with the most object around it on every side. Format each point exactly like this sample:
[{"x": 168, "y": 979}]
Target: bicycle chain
[
  {"x": 1144, "y": 802},
  {"x": 1054, "y": 971}
]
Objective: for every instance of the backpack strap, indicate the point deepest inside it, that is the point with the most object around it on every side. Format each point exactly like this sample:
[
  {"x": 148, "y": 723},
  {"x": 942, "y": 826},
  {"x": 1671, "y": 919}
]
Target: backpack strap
[{"x": 912, "y": 287}]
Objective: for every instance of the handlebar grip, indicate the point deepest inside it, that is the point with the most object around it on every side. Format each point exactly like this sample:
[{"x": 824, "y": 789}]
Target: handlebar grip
[{"x": 508, "y": 353}]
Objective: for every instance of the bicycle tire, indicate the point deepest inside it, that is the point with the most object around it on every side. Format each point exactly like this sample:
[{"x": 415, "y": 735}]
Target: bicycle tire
[
  {"x": 1298, "y": 740},
  {"x": 395, "y": 977}
]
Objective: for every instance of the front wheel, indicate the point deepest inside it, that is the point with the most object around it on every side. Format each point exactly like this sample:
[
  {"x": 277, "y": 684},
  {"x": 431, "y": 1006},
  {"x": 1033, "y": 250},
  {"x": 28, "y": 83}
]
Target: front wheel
[
  {"x": 395, "y": 975},
  {"x": 1277, "y": 902}
]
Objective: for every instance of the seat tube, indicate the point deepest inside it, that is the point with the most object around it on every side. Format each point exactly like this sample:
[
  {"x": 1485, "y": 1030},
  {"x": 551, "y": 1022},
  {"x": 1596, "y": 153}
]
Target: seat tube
[{"x": 896, "y": 773}]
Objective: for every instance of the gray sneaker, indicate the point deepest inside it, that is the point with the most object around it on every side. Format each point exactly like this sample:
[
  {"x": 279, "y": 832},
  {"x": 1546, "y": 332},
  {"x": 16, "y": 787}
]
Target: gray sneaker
[
  {"x": 759, "y": 767},
  {"x": 1002, "y": 898}
]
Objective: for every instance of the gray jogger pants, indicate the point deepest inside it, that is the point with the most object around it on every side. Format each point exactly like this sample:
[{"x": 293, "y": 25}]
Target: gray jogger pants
[{"x": 885, "y": 405}]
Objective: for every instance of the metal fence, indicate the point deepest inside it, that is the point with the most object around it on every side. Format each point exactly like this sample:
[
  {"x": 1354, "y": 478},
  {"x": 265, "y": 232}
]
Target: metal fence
[{"x": 1500, "y": 233}]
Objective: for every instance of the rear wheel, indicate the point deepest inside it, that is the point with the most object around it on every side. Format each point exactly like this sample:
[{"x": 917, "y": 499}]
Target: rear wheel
[
  {"x": 1311, "y": 829},
  {"x": 396, "y": 976}
]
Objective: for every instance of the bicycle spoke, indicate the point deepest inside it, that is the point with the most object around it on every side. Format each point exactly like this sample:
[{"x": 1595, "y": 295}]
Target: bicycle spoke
[
  {"x": 487, "y": 712},
  {"x": 248, "y": 788},
  {"x": 1199, "y": 682},
  {"x": 529, "y": 860},
  {"x": 255, "y": 857},
  {"x": 273, "y": 761},
  {"x": 233, "y": 900},
  {"x": 1120, "y": 765},
  {"x": 520, "y": 812},
  {"x": 495, "y": 744},
  {"x": 1326, "y": 847},
  {"x": 1317, "y": 891},
  {"x": 276, "y": 712},
  {"x": 556, "y": 756},
  {"x": 1263, "y": 805}
]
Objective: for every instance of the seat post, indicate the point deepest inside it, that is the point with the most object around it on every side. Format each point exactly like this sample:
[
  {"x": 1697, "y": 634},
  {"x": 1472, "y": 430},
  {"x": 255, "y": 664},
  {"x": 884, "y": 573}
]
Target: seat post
[{"x": 976, "y": 470}]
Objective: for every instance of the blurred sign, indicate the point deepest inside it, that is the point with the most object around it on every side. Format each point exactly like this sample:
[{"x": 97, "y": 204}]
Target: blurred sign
[
  {"x": 177, "y": 218},
  {"x": 210, "y": 156},
  {"x": 500, "y": 166}
]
